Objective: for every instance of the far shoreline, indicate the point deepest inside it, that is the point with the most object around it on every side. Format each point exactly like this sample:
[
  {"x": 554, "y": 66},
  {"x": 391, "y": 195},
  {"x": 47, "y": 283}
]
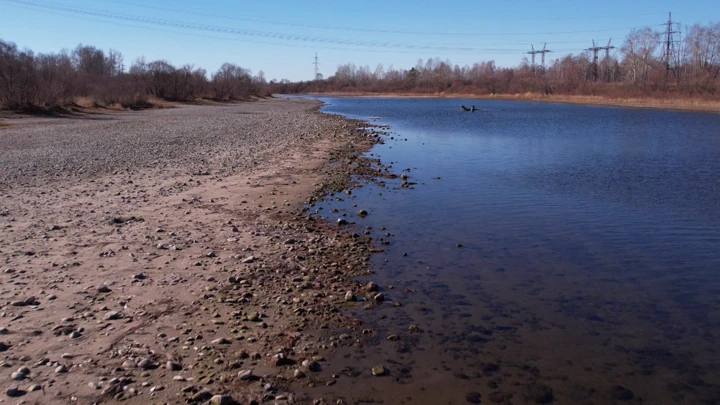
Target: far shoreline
[{"x": 705, "y": 106}]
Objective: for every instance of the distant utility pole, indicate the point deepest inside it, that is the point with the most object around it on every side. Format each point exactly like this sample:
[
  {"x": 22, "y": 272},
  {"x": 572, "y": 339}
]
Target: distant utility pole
[
  {"x": 542, "y": 53},
  {"x": 595, "y": 49},
  {"x": 669, "y": 43},
  {"x": 318, "y": 75}
]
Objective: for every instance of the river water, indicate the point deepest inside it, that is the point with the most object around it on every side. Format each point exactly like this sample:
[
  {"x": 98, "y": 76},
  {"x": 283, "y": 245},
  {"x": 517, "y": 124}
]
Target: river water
[{"x": 549, "y": 253}]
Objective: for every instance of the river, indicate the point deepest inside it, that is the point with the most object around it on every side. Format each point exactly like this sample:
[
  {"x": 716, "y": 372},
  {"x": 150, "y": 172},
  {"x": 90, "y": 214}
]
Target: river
[{"x": 548, "y": 253}]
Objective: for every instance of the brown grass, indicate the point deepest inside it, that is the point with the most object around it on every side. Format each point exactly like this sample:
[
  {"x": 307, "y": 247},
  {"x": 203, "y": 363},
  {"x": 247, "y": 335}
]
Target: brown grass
[
  {"x": 4, "y": 124},
  {"x": 684, "y": 104}
]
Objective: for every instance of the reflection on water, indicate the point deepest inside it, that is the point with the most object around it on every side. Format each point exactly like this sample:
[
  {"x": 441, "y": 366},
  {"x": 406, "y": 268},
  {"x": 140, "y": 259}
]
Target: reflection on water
[{"x": 588, "y": 271}]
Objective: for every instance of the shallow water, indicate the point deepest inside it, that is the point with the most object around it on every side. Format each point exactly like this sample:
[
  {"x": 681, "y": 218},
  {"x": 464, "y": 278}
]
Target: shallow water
[{"x": 588, "y": 272}]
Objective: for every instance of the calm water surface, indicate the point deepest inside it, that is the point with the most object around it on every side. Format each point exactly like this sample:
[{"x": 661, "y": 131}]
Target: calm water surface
[{"x": 589, "y": 271}]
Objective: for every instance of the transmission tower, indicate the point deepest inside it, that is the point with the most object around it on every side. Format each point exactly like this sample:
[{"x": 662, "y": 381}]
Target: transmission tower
[
  {"x": 542, "y": 53},
  {"x": 669, "y": 45},
  {"x": 318, "y": 75},
  {"x": 595, "y": 49},
  {"x": 607, "y": 49}
]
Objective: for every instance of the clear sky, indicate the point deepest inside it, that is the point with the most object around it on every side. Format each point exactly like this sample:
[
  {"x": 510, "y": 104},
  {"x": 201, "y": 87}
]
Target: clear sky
[{"x": 281, "y": 37}]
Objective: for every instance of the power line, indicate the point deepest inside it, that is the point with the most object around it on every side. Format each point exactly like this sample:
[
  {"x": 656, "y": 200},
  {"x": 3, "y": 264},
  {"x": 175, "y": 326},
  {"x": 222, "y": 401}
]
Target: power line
[{"x": 85, "y": 10}]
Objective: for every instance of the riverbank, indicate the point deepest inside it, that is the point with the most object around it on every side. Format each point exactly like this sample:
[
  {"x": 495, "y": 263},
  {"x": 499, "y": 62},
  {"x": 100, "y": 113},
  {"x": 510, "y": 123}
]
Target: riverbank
[
  {"x": 712, "y": 106},
  {"x": 163, "y": 256}
]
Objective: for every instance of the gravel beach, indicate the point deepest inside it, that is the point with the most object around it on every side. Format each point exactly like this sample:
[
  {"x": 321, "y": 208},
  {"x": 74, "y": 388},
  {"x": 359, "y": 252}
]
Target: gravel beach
[{"x": 163, "y": 256}]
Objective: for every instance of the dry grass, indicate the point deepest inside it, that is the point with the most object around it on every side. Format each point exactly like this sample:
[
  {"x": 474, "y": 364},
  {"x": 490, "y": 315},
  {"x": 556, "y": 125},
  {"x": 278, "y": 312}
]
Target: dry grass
[{"x": 4, "y": 124}]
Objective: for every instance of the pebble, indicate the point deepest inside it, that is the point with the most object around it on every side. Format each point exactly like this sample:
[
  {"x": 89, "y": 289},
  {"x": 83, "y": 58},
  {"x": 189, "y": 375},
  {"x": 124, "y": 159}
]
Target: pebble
[
  {"x": 350, "y": 296},
  {"x": 473, "y": 397},
  {"x": 311, "y": 365},
  {"x": 201, "y": 396},
  {"x": 342, "y": 222},
  {"x": 245, "y": 375},
  {"x": 298, "y": 373},
  {"x": 248, "y": 260},
  {"x": 103, "y": 288},
  {"x": 221, "y": 341},
  {"x": 362, "y": 213},
  {"x": 370, "y": 287},
  {"x": 34, "y": 387},
  {"x": 620, "y": 393},
  {"x": 379, "y": 297},
  {"x": 113, "y": 315},
  {"x": 13, "y": 391},
  {"x": 221, "y": 400},
  {"x": 61, "y": 369},
  {"x": 173, "y": 366},
  {"x": 157, "y": 388},
  {"x": 378, "y": 371}
]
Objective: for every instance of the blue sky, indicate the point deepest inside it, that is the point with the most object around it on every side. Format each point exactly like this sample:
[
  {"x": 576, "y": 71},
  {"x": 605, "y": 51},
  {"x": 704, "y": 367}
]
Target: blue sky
[{"x": 281, "y": 37}]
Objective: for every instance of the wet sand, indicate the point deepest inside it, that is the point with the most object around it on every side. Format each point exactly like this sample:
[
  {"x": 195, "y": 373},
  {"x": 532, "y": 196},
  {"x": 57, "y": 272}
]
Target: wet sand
[{"x": 164, "y": 257}]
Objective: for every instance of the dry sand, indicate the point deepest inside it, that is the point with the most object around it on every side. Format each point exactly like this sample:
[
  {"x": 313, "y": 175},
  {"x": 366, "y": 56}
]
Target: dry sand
[{"x": 163, "y": 257}]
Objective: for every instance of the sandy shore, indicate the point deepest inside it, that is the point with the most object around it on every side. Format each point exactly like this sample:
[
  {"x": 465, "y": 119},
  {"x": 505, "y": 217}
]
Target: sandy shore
[
  {"x": 636, "y": 102},
  {"x": 163, "y": 256}
]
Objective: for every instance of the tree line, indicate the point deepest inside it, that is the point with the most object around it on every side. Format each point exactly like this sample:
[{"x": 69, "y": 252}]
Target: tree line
[
  {"x": 57, "y": 79},
  {"x": 640, "y": 67}
]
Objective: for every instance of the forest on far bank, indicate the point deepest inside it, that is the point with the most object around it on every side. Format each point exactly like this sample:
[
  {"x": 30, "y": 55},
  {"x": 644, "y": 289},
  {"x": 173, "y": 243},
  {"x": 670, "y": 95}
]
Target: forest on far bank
[{"x": 640, "y": 67}]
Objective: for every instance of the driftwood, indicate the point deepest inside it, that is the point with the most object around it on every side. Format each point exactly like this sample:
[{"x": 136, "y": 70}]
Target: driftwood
[{"x": 472, "y": 108}]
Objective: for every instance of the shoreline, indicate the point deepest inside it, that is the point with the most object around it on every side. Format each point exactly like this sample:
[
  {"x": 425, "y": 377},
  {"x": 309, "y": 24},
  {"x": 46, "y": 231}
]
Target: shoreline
[
  {"x": 705, "y": 106},
  {"x": 183, "y": 280}
]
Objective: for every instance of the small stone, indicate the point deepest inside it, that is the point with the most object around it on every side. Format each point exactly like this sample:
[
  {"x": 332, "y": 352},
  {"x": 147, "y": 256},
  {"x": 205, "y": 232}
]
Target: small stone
[
  {"x": 104, "y": 288},
  {"x": 18, "y": 376},
  {"x": 31, "y": 301},
  {"x": 378, "y": 371},
  {"x": 113, "y": 315},
  {"x": 370, "y": 287},
  {"x": 350, "y": 296},
  {"x": 379, "y": 297},
  {"x": 290, "y": 241},
  {"x": 139, "y": 276},
  {"x": 34, "y": 387},
  {"x": 4, "y": 330},
  {"x": 179, "y": 378},
  {"x": 341, "y": 222},
  {"x": 211, "y": 254},
  {"x": 14, "y": 391},
  {"x": 221, "y": 400},
  {"x": 4, "y": 347},
  {"x": 280, "y": 359},
  {"x": 245, "y": 375},
  {"x": 75, "y": 334},
  {"x": 620, "y": 393},
  {"x": 298, "y": 373},
  {"x": 61, "y": 369},
  {"x": 473, "y": 397},
  {"x": 221, "y": 341},
  {"x": 413, "y": 328},
  {"x": 51, "y": 297},
  {"x": 362, "y": 213},
  {"x": 67, "y": 356},
  {"x": 201, "y": 396},
  {"x": 146, "y": 364},
  {"x": 157, "y": 388},
  {"x": 311, "y": 365},
  {"x": 248, "y": 260},
  {"x": 393, "y": 338},
  {"x": 541, "y": 394},
  {"x": 173, "y": 366}
]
